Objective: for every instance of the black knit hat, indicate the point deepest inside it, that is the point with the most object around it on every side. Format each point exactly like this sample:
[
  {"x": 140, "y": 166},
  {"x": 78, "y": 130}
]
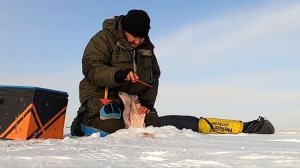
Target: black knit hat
[{"x": 137, "y": 23}]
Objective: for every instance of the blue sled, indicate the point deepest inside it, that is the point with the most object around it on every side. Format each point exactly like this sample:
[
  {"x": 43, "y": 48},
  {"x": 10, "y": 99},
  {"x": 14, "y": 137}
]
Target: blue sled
[{"x": 91, "y": 130}]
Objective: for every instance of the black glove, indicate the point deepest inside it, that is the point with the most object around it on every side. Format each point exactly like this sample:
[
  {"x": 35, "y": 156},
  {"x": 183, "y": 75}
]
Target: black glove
[
  {"x": 146, "y": 103},
  {"x": 121, "y": 74}
]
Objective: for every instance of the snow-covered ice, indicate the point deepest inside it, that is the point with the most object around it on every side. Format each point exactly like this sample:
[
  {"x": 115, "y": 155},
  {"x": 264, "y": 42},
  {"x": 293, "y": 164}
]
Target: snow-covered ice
[{"x": 156, "y": 147}]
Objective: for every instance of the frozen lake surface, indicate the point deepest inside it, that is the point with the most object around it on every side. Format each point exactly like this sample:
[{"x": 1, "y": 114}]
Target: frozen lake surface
[{"x": 156, "y": 147}]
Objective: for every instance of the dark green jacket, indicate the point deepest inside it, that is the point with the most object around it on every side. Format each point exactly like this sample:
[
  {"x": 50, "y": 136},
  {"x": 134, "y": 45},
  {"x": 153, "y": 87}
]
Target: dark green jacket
[{"x": 107, "y": 52}]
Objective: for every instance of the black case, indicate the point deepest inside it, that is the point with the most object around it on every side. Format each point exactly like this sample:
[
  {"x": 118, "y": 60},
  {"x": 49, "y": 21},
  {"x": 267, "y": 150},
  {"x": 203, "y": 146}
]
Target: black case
[{"x": 45, "y": 107}]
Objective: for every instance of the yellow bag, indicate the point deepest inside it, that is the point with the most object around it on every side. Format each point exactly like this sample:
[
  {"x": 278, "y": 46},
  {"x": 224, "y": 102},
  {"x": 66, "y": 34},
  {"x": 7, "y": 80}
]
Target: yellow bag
[{"x": 219, "y": 126}]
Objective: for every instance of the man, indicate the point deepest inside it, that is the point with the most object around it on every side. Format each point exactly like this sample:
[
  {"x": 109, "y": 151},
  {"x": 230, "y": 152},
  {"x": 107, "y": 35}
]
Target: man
[
  {"x": 114, "y": 60},
  {"x": 116, "y": 57}
]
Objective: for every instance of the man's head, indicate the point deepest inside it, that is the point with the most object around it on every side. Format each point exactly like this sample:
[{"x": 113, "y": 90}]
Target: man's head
[{"x": 137, "y": 23}]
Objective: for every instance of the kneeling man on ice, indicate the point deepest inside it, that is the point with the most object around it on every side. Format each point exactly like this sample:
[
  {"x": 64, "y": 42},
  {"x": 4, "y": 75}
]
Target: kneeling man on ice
[{"x": 120, "y": 85}]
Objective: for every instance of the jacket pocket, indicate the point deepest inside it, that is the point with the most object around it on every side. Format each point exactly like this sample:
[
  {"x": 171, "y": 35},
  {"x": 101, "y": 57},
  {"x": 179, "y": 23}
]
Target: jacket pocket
[
  {"x": 147, "y": 62},
  {"x": 147, "y": 57}
]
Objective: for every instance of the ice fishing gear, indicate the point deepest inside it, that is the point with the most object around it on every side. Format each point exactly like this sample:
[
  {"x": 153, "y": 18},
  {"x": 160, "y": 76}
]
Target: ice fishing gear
[
  {"x": 259, "y": 126},
  {"x": 146, "y": 84},
  {"x": 91, "y": 130},
  {"x": 28, "y": 112},
  {"x": 105, "y": 100},
  {"x": 109, "y": 109},
  {"x": 219, "y": 126}
]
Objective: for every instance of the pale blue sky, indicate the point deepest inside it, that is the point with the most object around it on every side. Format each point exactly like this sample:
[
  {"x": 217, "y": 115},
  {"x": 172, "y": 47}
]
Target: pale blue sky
[{"x": 226, "y": 59}]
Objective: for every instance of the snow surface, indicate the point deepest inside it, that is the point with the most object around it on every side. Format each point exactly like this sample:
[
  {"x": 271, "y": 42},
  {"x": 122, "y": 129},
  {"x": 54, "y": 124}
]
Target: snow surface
[{"x": 156, "y": 147}]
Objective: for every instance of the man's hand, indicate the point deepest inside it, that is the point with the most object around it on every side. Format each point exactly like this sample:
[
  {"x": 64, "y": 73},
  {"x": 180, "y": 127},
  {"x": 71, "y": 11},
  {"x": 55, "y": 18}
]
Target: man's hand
[
  {"x": 125, "y": 74},
  {"x": 132, "y": 76},
  {"x": 143, "y": 109}
]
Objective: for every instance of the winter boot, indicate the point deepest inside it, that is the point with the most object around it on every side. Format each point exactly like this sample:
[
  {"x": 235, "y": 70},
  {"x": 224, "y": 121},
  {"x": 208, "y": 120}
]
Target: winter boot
[
  {"x": 259, "y": 126},
  {"x": 76, "y": 124}
]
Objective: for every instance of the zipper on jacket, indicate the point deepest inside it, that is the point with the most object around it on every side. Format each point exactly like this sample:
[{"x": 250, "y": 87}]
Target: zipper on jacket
[{"x": 134, "y": 62}]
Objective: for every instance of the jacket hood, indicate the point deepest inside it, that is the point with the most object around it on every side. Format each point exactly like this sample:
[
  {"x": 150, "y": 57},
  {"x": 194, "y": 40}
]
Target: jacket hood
[{"x": 114, "y": 25}]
